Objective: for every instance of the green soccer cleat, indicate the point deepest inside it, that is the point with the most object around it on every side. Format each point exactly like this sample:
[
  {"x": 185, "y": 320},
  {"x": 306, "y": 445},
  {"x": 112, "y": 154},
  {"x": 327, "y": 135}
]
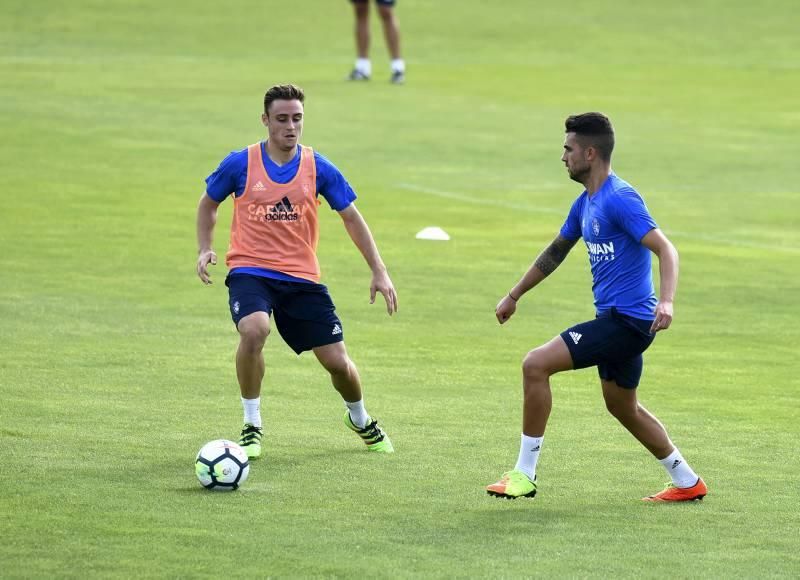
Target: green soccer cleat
[
  {"x": 512, "y": 485},
  {"x": 250, "y": 440},
  {"x": 376, "y": 439}
]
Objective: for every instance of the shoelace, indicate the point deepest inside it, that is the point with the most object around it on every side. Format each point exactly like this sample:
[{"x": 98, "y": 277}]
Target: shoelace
[
  {"x": 371, "y": 430},
  {"x": 250, "y": 433}
]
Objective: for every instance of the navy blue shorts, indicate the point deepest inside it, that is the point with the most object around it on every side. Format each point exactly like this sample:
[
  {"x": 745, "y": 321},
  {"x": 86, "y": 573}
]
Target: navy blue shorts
[
  {"x": 303, "y": 312},
  {"x": 614, "y": 343},
  {"x": 381, "y": 2}
]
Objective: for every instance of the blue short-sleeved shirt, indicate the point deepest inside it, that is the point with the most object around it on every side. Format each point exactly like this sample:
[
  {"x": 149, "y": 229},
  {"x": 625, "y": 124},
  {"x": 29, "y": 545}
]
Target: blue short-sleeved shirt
[
  {"x": 231, "y": 178},
  {"x": 612, "y": 223}
]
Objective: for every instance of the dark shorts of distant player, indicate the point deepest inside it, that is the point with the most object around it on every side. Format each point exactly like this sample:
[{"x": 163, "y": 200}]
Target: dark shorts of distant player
[
  {"x": 612, "y": 342},
  {"x": 381, "y": 2},
  {"x": 303, "y": 313}
]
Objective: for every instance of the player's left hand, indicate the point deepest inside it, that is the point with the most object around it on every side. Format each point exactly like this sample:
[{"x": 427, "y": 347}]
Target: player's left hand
[
  {"x": 663, "y": 319},
  {"x": 383, "y": 284}
]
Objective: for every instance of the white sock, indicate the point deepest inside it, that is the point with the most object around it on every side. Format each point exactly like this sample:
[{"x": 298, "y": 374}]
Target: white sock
[
  {"x": 364, "y": 66},
  {"x": 682, "y": 475},
  {"x": 358, "y": 414},
  {"x": 528, "y": 455},
  {"x": 398, "y": 65},
  {"x": 252, "y": 411}
]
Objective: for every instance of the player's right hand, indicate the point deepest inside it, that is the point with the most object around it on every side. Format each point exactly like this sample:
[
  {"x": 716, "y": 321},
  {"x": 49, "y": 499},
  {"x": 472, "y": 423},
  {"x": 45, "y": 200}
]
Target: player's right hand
[
  {"x": 505, "y": 309},
  {"x": 203, "y": 260}
]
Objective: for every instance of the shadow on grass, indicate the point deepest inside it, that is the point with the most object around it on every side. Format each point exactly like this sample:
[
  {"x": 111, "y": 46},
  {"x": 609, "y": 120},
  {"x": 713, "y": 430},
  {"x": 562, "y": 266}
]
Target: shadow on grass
[
  {"x": 503, "y": 516},
  {"x": 11, "y": 433},
  {"x": 335, "y": 453},
  {"x": 198, "y": 490}
]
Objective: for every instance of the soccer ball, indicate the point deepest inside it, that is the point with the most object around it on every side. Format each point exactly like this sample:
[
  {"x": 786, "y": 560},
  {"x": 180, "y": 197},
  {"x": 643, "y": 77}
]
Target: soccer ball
[{"x": 222, "y": 465}]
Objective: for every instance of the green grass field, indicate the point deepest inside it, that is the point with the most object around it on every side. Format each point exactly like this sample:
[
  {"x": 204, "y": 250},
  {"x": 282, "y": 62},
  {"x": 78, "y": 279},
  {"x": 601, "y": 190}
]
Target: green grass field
[{"x": 116, "y": 364}]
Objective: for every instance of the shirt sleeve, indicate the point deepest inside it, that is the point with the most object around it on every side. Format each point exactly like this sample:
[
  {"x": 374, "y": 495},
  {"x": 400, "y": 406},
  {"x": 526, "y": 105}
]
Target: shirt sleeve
[
  {"x": 571, "y": 230},
  {"x": 332, "y": 185},
  {"x": 229, "y": 177},
  {"x": 632, "y": 214}
]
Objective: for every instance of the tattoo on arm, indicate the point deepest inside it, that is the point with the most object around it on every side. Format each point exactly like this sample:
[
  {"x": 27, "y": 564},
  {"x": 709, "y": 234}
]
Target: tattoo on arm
[{"x": 554, "y": 254}]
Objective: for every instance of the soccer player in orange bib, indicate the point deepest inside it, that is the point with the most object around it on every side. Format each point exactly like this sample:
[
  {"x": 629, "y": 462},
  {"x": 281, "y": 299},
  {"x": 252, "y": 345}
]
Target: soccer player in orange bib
[{"x": 272, "y": 261}]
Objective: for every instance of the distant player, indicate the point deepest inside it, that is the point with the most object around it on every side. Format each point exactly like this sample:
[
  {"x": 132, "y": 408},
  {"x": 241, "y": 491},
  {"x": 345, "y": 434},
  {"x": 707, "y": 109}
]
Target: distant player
[
  {"x": 362, "y": 71},
  {"x": 619, "y": 234},
  {"x": 273, "y": 262}
]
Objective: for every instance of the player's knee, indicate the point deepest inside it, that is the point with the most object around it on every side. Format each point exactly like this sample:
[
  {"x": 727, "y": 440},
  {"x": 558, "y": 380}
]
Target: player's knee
[
  {"x": 337, "y": 365},
  {"x": 621, "y": 409},
  {"x": 253, "y": 336},
  {"x": 534, "y": 366}
]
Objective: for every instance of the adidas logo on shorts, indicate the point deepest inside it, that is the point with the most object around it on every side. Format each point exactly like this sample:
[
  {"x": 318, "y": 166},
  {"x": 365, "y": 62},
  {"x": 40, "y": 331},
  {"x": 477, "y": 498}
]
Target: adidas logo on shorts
[
  {"x": 337, "y": 329},
  {"x": 575, "y": 336}
]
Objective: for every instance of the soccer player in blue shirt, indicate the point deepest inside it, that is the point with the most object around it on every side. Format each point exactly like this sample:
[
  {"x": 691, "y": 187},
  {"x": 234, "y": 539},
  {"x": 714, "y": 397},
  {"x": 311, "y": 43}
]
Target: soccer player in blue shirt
[{"x": 619, "y": 235}]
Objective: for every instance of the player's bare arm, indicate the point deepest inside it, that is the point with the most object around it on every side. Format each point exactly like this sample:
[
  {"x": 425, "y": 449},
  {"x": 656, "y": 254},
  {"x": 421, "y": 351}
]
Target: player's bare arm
[
  {"x": 358, "y": 230},
  {"x": 206, "y": 220},
  {"x": 550, "y": 258},
  {"x": 659, "y": 244}
]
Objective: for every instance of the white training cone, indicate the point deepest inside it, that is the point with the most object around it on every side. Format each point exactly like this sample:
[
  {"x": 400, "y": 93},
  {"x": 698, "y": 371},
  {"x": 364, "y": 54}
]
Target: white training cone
[{"x": 433, "y": 233}]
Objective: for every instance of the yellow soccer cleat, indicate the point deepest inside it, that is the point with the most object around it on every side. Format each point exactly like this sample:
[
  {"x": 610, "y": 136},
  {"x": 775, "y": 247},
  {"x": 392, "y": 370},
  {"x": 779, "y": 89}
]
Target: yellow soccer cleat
[
  {"x": 512, "y": 485},
  {"x": 375, "y": 438},
  {"x": 250, "y": 440}
]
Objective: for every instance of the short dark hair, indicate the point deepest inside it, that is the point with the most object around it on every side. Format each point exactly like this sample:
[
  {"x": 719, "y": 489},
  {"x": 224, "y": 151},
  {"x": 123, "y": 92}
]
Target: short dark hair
[
  {"x": 594, "y": 128},
  {"x": 283, "y": 93}
]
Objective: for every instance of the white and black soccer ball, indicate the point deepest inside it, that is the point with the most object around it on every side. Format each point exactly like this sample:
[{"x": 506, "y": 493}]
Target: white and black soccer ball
[{"x": 222, "y": 465}]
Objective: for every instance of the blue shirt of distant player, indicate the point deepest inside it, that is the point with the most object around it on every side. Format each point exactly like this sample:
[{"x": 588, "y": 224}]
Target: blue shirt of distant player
[
  {"x": 613, "y": 222},
  {"x": 231, "y": 177}
]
